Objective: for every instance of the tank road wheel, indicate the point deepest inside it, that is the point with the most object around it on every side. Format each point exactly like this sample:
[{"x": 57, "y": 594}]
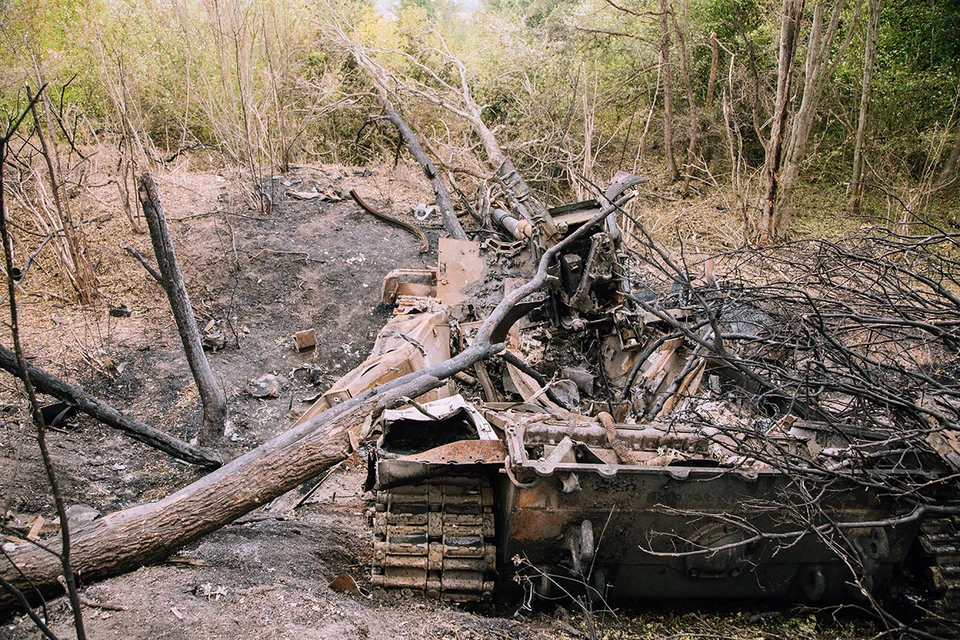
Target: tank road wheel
[{"x": 437, "y": 537}]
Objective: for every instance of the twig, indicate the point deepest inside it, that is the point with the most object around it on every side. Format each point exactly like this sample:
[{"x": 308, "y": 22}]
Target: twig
[
  {"x": 519, "y": 363},
  {"x": 37, "y": 416},
  {"x": 27, "y": 609},
  {"x": 146, "y": 265},
  {"x": 106, "y": 606},
  {"x": 306, "y": 256},
  {"x": 314, "y": 488},
  {"x": 257, "y": 519},
  {"x": 218, "y": 213}
]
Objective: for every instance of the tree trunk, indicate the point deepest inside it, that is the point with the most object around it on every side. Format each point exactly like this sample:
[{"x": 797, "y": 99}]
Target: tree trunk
[
  {"x": 714, "y": 65},
  {"x": 869, "y": 57},
  {"x": 214, "y": 403},
  {"x": 75, "y": 396},
  {"x": 773, "y": 147},
  {"x": 442, "y": 195},
  {"x": 128, "y": 539},
  {"x": 670, "y": 164},
  {"x": 693, "y": 147},
  {"x": 79, "y": 271},
  {"x": 518, "y": 191},
  {"x": 148, "y": 533},
  {"x": 816, "y": 74},
  {"x": 950, "y": 168}
]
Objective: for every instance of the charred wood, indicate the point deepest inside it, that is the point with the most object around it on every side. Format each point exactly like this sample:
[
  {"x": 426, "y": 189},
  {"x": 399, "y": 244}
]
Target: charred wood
[
  {"x": 99, "y": 410},
  {"x": 148, "y": 533},
  {"x": 212, "y": 398}
]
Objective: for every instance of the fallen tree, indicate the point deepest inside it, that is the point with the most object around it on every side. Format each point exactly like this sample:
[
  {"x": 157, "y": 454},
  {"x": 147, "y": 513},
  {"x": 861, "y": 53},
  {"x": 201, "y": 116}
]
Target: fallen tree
[
  {"x": 147, "y": 533},
  {"x": 444, "y": 203},
  {"x": 99, "y": 410}
]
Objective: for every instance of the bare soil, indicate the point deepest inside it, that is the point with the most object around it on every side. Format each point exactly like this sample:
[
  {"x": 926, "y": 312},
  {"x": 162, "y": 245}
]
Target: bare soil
[{"x": 256, "y": 279}]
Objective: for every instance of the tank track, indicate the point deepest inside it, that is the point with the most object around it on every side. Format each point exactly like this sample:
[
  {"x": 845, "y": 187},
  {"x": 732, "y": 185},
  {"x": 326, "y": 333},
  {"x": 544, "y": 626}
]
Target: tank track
[
  {"x": 437, "y": 537},
  {"x": 940, "y": 540}
]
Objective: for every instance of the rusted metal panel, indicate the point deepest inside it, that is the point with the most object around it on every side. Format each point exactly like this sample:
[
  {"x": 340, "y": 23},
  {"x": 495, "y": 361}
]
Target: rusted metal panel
[
  {"x": 409, "y": 282},
  {"x": 463, "y": 452},
  {"x": 407, "y": 343},
  {"x": 947, "y": 444},
  {"x": 459, "y": 267}
]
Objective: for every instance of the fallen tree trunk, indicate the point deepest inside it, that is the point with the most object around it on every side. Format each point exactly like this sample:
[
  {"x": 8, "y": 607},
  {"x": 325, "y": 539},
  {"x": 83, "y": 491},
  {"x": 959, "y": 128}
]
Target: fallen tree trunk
[
  {"x": 75, "y": 396},
  {"x": 128, "y": 539}
]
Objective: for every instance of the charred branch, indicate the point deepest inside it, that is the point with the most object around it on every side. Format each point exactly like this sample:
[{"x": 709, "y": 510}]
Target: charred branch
[
  {"x": 214, "y": 403},
  {"x": 148, "y": 533},
  {"x": 97, "y": 409},
  {"x": 143, "y": 261},
  {"x": 424, "y": 242},
  {"x": 412, "y": 142}
]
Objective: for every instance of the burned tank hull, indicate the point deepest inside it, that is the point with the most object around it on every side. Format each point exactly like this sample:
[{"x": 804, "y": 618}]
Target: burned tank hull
[
  {"x": 680, "y": 533},
  {"x": 562, "y": 516},
  {"x": 645, "y": 439}
]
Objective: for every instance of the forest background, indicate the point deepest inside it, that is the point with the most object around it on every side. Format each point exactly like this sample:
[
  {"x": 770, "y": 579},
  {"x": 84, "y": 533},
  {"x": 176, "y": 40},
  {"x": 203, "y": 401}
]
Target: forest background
[{"x": 756, "y": 120}]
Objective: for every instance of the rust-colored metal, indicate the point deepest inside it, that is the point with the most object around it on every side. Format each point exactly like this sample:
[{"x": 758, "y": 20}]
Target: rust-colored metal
[
  {"x": 437, "y": 537},
  {"x": 459, "y": 268},
  {"x": 464, "y": 452},
  {"x": 409, "y": 282},
  {"x": 641, "y": 489}
]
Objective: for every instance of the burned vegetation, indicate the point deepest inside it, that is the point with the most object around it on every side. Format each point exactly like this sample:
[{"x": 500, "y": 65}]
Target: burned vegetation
[
  {"x": 762, "y": 424},
  {"x": 564, "y": 408}
]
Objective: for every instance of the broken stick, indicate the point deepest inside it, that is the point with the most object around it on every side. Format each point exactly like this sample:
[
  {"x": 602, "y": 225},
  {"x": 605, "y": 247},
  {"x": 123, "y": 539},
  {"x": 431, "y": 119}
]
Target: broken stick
[
  {"x": 424, "y": 242},
  {"x": 146, "y": 265}
]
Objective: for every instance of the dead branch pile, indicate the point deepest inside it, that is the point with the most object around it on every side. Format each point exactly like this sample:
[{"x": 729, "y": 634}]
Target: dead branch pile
[{"x": 858, "y": 332}]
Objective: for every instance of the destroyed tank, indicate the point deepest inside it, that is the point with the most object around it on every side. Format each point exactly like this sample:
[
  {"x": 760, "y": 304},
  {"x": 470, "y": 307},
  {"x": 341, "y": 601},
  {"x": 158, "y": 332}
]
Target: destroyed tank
[{"x": 614, "y": 450}]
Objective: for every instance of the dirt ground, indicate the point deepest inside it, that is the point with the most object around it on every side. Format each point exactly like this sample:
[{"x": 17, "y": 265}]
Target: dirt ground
[{"x": 254, "y": 281}]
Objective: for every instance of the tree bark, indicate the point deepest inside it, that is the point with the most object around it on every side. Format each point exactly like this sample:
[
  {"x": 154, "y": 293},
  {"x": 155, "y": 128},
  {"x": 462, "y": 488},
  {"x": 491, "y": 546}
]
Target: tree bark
[
  {"x": 817, "y": 72},
  {"x": 869, "y": 57},
  {"x": 79, "y": 271},
  {"x": 442, "y": 195},
  {"x": 670, "y": 164},
  {"x": 214, "y": 403},
  {"x": 128, "y": 539},
  {"x": 714, "y": 65},
  {"x": 950, "y": 168},
  {"x": 521, "y": 197},
  {"x": 773, "y": 146},
  {"x": 693, "y": 146},
  {"x": 75, "y": 396}
]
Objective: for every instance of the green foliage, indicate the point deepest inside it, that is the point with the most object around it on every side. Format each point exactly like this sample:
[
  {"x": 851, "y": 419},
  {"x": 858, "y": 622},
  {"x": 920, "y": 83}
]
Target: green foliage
[
  {"x": 918, "y": 63},
  {"x": 534, "y": 13},
  {"x": 734, "y": 22},
  {"x": 568, "y": 85}
]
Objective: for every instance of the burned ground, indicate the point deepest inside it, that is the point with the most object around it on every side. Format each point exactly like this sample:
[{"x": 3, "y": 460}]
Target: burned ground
[{"x": 256, "y": 279}]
